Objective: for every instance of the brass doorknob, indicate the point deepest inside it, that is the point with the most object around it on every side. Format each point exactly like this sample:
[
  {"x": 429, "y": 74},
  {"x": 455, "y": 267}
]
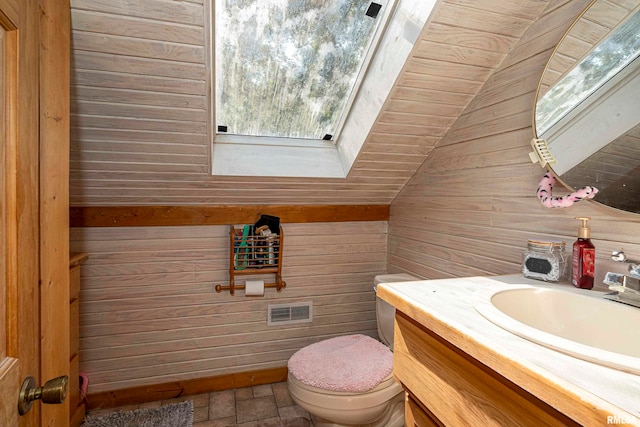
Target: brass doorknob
[{"x": 54, "y": 391}]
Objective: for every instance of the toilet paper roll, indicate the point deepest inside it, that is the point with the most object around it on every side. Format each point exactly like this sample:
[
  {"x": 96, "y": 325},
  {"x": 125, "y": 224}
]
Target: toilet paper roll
[{"x": 254, "y": 288}]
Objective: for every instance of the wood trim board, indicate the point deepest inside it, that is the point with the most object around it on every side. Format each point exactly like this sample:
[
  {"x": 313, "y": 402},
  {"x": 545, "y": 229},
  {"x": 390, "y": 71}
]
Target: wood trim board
[
  {"x": 145, "y": 216},
  {"x": 170, "y": 390}
]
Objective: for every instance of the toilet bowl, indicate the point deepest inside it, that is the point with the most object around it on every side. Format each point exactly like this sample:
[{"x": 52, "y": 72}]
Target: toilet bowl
[
  {"x": 347, "y": 393},
  {"x": 380, "y": 407}
]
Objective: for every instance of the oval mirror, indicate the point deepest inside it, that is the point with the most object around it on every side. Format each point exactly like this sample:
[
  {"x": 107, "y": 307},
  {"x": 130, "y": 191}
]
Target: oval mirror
[{"x": 588, "y": 104}]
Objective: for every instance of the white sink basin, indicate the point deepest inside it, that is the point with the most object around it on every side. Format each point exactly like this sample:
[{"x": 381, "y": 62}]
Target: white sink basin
[{"x": 582, "y": 325}]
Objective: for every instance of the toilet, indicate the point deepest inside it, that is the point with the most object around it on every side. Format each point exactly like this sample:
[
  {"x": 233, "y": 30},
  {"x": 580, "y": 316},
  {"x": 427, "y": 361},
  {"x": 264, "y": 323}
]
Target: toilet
[{"x": 337, "y": 392}]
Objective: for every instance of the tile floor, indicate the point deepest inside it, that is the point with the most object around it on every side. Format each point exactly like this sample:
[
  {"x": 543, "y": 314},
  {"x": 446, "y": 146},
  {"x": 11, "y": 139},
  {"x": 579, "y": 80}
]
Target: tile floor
[{"x": 268, "y": 405}]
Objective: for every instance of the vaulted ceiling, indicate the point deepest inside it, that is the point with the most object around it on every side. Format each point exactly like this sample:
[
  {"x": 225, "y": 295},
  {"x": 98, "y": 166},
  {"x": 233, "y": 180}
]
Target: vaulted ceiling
[{"x": 140, "y": 113}]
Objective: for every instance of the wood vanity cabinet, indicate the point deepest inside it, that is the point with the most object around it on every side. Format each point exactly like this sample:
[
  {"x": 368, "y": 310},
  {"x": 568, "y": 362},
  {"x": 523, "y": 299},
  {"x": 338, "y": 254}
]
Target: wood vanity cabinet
[
  {"x": 416, "y": 415},
  {"x": 447, "y": 387},
  {"x": 76, "y": 405}
]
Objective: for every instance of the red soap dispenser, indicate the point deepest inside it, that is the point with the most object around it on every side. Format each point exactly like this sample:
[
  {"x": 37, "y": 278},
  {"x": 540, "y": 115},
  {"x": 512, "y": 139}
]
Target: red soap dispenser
[{"x": 584, "y": 257}]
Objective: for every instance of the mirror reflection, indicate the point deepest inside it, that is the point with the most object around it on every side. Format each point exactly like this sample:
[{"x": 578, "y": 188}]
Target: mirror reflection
[{"x": 587, "y": 106}]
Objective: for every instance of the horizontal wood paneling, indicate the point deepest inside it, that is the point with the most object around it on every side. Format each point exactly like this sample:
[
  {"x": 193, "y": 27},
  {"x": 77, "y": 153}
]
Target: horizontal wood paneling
[
  {"x": 132, "y": 60},
  {"x": 139, "y": 137},
  {"x": 149, "y": 313},
  {"x": 141, "y": 216},
  {"x": 472, "y": 206}
]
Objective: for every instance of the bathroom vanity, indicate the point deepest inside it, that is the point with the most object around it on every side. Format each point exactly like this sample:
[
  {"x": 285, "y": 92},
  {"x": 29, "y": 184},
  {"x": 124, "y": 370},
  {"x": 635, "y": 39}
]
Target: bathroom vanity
[{"x": 458, "y": 368}]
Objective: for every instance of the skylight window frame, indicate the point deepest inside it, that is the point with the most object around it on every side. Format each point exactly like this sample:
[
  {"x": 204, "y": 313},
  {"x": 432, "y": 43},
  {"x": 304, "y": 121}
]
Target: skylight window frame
[
  {"x": 325, "y": 160},
  {"x": 384, "y": 17}
]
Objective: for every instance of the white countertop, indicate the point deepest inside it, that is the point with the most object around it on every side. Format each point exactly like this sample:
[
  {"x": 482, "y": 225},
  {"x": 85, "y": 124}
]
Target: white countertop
[{"x": 446, "y": 306}]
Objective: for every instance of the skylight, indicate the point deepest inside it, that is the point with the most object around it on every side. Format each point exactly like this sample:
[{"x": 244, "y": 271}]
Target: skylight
[{"x": 291, "y": 68}]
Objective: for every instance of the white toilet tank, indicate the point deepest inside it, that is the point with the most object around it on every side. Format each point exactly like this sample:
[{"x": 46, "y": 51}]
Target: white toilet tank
[{"x": 385, "y": 312}]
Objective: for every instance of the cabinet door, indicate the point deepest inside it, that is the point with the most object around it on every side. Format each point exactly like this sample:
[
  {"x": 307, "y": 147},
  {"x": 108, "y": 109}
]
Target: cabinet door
[
  {"x": 416, "y": 416},
  {"x": 459, "y": 390}
]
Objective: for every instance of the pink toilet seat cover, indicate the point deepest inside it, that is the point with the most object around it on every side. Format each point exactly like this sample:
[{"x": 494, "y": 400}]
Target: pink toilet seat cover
[{"x": 353, "y": 363}]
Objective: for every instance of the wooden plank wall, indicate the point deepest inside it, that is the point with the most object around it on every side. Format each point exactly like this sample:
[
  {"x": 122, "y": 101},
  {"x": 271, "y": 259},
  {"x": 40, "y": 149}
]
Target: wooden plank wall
[
  {"x": 616, "y": 165},
  {"x": 138, "y": 137},
  {"x": 472, "y": 206},
  {"x": 140, "y": 113},
  {"x": 150, "y": 314}
]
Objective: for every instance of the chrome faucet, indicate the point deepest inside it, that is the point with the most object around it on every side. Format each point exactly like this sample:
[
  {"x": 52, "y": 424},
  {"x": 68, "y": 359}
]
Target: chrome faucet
[
  {"x": 626, "y": 286},
  {"x": 634, "y": 266}
]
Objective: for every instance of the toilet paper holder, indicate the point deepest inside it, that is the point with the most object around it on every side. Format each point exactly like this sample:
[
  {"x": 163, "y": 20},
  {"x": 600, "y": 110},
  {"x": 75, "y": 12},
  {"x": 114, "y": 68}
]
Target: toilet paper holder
[
  {"x": 254, "y": 252},
  {"x": 279, "y": 285}
]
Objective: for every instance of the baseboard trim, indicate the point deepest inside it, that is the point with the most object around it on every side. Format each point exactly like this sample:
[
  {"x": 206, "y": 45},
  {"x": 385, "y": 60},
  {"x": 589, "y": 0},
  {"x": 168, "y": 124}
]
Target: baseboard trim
[{"x": 170, "y": 390}]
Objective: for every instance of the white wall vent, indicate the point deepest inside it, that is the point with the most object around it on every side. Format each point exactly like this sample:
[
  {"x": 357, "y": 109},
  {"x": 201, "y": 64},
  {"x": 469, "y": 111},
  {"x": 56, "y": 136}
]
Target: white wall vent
[{"x": 284, "y": 314}]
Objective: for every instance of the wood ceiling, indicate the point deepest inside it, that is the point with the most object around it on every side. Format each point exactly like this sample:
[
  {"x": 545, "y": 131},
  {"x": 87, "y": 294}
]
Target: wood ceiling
[{"x": 140, "y": 115}]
